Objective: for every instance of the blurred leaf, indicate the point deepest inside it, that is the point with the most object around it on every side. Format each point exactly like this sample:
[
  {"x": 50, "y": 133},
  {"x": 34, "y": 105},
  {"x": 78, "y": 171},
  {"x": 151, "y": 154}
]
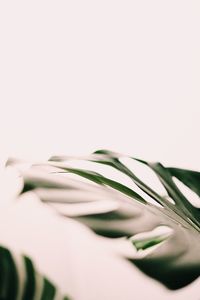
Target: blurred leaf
[
  {"x": 173, "y": 259},
  {"x": 13, "y": 287}
]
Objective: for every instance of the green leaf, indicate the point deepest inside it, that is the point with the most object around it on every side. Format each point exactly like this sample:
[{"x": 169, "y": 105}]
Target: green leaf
[
  {"x": 10, "y": 280},
  {"x": 188, "y": 177},
  {"x": 174, "y": 260},
  {"x": 30, "y": 286},
  {"x": 8, "y": 275}
]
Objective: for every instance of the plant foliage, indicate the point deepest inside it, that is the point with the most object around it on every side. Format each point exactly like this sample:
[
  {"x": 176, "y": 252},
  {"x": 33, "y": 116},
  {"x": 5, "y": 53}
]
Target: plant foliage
[
  {"x": 19, "y": 279},
  {"x": 119, "y": 211}
]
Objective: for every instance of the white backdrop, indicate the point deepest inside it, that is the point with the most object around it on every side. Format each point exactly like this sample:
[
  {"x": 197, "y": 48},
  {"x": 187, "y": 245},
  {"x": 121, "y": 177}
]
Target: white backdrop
[{"x": 76, "y": 76}]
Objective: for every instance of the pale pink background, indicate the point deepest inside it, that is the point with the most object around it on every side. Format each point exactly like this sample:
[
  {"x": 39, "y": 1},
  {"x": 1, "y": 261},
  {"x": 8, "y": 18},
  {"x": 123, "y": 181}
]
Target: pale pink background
[{"x": 80, "y": 75}]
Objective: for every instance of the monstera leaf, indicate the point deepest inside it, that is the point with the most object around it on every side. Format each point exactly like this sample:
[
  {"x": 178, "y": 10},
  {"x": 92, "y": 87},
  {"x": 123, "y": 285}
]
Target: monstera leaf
[
  {"x": 162, "y": 229},
  {"x": 20, "y": 280}
]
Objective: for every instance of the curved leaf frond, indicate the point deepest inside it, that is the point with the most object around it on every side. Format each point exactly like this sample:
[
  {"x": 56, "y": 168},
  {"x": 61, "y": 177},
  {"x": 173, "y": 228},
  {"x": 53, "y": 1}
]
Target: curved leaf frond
[
  {"x": 113, "y": 209},
  {"x": 30, "y": 285}
]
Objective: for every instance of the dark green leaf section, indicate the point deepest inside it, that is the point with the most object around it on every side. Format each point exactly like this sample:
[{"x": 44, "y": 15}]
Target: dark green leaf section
[
  {"x": 188, "y": 177},
  {"x": 112, "y": 159},
  {"x": 158, "y": 269},
  {"x": 10, "y": 281},
  {"x": 49, "y": 290},
  {"x": 29, "y": 288},
  {"x": 99, "y": 179},
  {"x": 186, "y": 209},
  {"x": 8, "y": 276}
]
